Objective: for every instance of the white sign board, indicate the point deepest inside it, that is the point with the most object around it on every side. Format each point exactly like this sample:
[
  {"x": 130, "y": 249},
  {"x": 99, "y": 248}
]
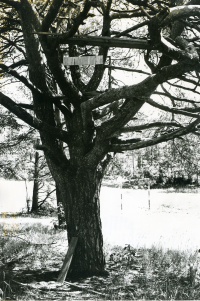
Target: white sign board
[{"x": 83, "y": 60}]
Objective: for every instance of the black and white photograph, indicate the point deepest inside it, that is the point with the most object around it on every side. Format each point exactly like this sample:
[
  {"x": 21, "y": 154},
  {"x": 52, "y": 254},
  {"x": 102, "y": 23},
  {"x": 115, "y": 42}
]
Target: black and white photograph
[{"x": 99, "y": 150}]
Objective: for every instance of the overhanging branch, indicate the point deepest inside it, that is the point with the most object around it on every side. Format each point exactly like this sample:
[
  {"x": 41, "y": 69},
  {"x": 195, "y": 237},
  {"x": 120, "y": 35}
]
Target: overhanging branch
[
  {"x": 32, "y": 121},
  {"x": 148, "y": 126},
  {"x": 98, "y": 41},
  {"x": 21, "y": 78},
  {"x": 126, "y": 69},
  {"x": 175, "y": 134},
  {"x": 172, "y": 110}
]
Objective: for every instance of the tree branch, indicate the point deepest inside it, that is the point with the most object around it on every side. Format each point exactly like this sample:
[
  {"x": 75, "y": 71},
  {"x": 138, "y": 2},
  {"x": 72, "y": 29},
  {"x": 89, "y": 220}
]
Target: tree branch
[
  {"x": 131, "y": 29},
  {"x": 32, "y": 121},
  {"x": 26, "y": 106},
  {"x": 173, "y": 110},
  {"x": 79, "y": 19},
  {"x": 135, "y": 96},
  {"x": 21, "y": 78},
  {"x": 98, "y": 41},
  {"x": 183, "y": 87},
  {"x": 176, "y": 98},
  {"x": 181, "y": 12},
  {"x": 99, "y": 69},
  {"x": 126, "y": 69},
  {"x": 146, "y": 87},
  {"x": 129, "y": 15},
  {"x": 51, "y": 15},
  {"x": 148, "y": 126},
  {"x": 75, "y": 70},
  {"x": 175, "y": 134},
  {"x": 13, "y": 43},
  {"x": 111, "y": 108}
]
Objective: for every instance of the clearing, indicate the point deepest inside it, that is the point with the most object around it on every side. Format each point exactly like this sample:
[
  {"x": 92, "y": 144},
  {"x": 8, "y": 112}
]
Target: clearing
[{"x": 161, "y": 260}]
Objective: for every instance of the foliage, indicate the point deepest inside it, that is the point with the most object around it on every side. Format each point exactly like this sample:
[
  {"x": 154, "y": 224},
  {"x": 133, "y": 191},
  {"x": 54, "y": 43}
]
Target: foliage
[
  {"x": 17, "y": 159},
  {"x": 108, "y": 20},
  {"x": 171, "y": 163}
]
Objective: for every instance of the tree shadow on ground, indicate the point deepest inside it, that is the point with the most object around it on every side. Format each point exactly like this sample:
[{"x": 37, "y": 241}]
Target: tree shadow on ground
[{"x": 28, "y": 276}]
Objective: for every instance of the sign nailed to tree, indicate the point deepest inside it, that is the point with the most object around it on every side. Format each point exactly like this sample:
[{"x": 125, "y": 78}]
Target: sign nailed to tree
[{"x": 83, "y": 60}]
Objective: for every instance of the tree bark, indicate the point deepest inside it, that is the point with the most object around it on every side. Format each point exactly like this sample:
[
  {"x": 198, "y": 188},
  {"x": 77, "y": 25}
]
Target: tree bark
[
  {"x": 80, "y": 198},
  {"x": 61, "y": 218},
  {"x": 36, "y": 184}
]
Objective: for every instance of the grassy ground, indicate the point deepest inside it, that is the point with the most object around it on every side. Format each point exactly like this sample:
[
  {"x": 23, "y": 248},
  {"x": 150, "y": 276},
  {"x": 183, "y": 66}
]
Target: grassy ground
[
  {"x": 172, "y": 222},
  {"x": 31, "y": 257}
]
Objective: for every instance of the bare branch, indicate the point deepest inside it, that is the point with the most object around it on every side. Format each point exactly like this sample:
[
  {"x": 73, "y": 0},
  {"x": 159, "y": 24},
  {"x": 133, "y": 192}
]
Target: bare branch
[
  {"x": 124, "y": 15},
  {"x": 175, "y": 134},
  {"x": 179, "y": 12},
  {"x": 184, "y": 88},
  {"x": 14, "y": 44},
  {"x": 99, "y": 69},
  {"x": 146, "y": 13},
  {"x": 135, "y": 27},
  {"x": 26, "y": 106},
  {"x": 148, "y": 126},
  {"x": 126, "y": 69},
  {"x": 173, "y": 110},
  {"x": 21, "y": 78},
  {"x": 146, "y": 87},
  {"x": 79, "y": 19},
  {"x": 98, "y": 41},
  {"x": 9, "y": 104},
  {"x": 176, "y": 98}
]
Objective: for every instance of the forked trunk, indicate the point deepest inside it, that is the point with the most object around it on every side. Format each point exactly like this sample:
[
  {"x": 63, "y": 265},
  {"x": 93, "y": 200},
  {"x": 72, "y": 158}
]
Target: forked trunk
[{"x": 80, "y": 196}]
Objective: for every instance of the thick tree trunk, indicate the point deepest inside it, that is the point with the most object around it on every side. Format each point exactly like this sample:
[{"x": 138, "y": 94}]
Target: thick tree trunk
[
  {"x": 80, "y": 197},
  {"x": 36, "y": 184}
]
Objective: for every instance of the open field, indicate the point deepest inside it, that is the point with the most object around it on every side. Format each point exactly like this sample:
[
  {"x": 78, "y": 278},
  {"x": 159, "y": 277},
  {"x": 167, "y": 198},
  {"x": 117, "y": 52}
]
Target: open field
[
  {"x": 32, "y": 252},
  {"x": 173, "y": 220}
]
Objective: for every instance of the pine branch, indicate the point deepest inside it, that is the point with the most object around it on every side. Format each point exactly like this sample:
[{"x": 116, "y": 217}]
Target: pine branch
[
  {"x": 32, "y": 121},
  {"x": 149, "y": 142},
  {"x": 182, "y": 111}
]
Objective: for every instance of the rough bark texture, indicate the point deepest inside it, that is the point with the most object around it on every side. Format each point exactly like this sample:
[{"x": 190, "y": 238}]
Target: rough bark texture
[
  {"x": 36, "y": 184},
  {"x": 61, "y": 218},
  {"x": 80, "y": 196}
]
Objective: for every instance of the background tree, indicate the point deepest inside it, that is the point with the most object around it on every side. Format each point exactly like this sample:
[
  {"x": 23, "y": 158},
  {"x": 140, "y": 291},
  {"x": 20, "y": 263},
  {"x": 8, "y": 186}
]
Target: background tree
[
  {"x": 80, "y": 121},
  {"x": 20, "y": 161}
]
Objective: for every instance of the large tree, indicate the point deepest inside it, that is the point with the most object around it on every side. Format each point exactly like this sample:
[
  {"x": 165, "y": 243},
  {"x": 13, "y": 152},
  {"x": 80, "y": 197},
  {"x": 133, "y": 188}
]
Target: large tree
[{"x": 79, "y": 121}]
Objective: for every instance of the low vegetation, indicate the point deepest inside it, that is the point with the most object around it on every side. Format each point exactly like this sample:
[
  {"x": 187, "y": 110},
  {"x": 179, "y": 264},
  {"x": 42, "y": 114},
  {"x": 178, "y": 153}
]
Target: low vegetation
[{"x": 31, "y": 256}]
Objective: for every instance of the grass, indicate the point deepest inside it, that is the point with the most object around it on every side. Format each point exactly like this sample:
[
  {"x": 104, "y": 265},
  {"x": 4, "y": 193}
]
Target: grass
[{"x": 31, "y": 257}]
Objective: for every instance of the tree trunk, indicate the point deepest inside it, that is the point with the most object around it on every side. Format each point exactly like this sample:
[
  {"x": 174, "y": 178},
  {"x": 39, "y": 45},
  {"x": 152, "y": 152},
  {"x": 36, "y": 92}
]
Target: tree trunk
[
  {"x": 36, "y": 184},
  {"x": 80, "y": 197},
  {"x": 61, "y": 217}
]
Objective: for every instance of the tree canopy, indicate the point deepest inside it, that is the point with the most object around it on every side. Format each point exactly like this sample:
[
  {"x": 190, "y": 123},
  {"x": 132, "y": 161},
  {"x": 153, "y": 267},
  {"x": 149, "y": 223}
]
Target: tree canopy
[
  {"x": 80, "y": 117},
  {"x": 36, "y": 34}
]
